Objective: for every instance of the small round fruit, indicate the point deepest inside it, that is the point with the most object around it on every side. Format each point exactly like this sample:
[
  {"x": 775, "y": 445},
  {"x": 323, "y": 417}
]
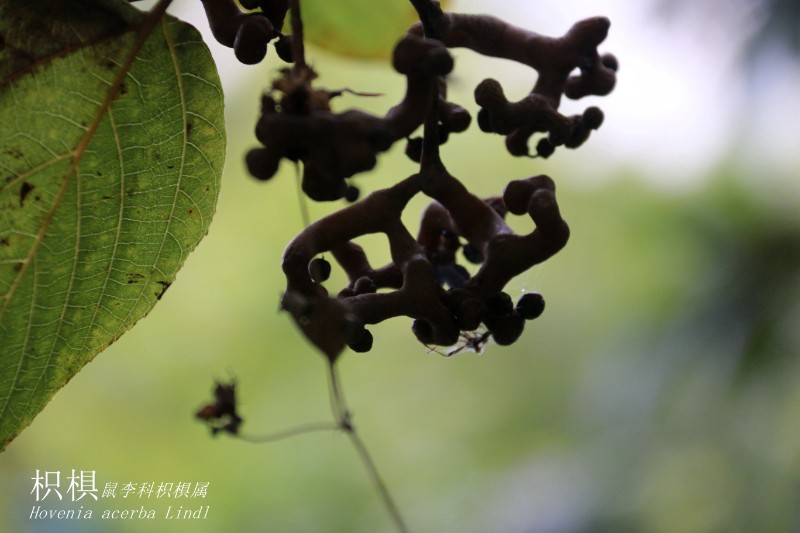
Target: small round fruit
[
  {"x": 363, "y": 344},
  {"x": 319, "y": 269},
  {"x": 531, "y": 305}
]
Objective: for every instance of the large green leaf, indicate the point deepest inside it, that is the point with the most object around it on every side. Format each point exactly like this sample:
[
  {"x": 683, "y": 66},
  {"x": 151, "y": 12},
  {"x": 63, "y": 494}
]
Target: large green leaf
[{"x": 99, "y": 203}]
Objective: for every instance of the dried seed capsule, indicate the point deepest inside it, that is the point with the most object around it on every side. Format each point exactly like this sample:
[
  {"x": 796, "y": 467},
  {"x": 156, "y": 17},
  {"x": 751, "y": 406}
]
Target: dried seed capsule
[
  {"x": 250, "y": 45},
  {"x": 507, "y": 330},
  {"x": 363, "y": 343},
  {"x": 472, "y": 254},
  {"x": 517, "y": 143},
  {"x": 610, "y": 62},
  {"x": 262, "y": 163},
  {"x": 319, "y": 269},
  {"x": 283, "y": 47},
  {"x": 352, "y": 193},
  {"x": 422, "y": 331},
  {"x": 579, "y": 133},
  {"x": 544, "y": 148},
  {"x": 530, "y": 305},
  {"x": 455, "y": 117},
  {"x": 489, "y": 93},
  {"x": 593, "y": 117}
]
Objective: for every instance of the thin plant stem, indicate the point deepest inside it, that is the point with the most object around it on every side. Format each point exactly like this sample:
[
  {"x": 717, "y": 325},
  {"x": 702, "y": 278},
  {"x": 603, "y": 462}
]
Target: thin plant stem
[
  {"x": 301, "y": 198},
  {"x": 291, "y": 432},
  {"x": 377, "y": 480},
  {"x": 345, "y": 424},
  {"x": 338, "y": 405}
]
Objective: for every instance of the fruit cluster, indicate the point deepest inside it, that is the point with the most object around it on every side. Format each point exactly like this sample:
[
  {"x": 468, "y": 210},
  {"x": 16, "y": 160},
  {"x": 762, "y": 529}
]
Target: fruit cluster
[
  {"x": 424, "y": 280},
  {"x": 554, "y": 59},
  {"x": 421, "y": 267}
]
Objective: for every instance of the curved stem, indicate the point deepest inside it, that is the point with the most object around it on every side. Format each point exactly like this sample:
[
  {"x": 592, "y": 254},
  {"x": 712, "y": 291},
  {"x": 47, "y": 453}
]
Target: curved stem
[
  {"x": 338, "y": 405},
  {"x": 430, "y": 14},
  {"x": 292, "y": 432},
  {"x": 342, "y": 416},
  {"x": 373, "y": 473},
  {"x": 301, "y": 198}
]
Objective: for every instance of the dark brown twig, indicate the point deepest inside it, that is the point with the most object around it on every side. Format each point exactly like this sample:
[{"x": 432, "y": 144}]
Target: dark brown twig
[
  {"x": 298, "y": 43},
  {"x": 430, "y": 16}
]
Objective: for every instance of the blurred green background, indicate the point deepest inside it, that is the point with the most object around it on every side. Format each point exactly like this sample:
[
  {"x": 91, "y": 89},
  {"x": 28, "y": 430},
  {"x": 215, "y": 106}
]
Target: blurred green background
[{"x": 659, "y": 392}]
